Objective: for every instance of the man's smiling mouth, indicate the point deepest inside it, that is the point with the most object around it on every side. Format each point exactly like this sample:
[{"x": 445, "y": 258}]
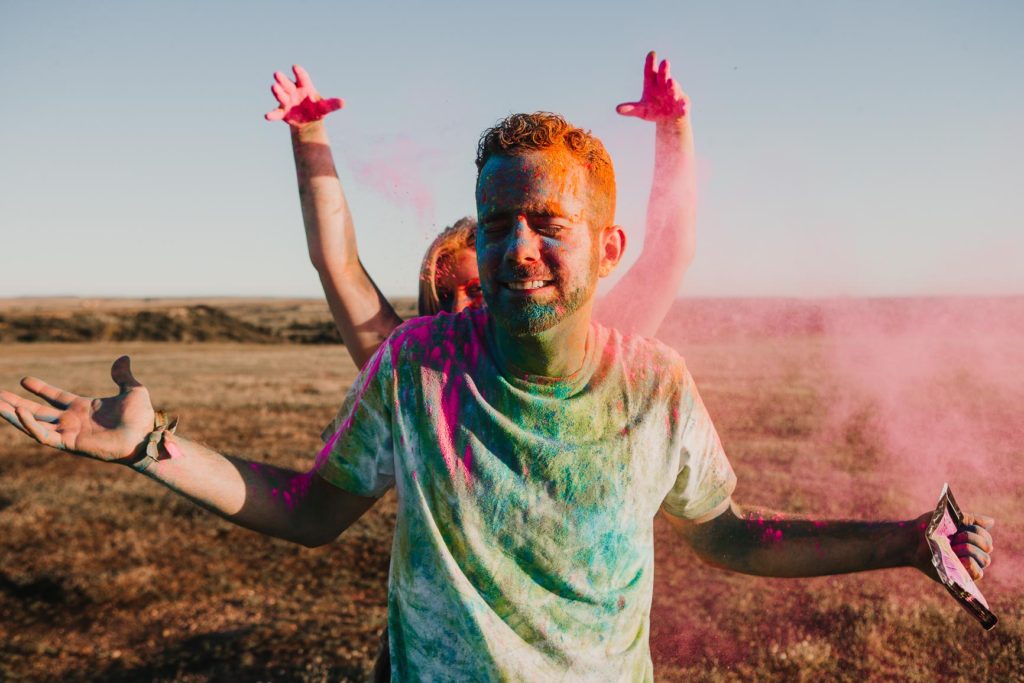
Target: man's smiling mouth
[{"x": 526, "y": 285}]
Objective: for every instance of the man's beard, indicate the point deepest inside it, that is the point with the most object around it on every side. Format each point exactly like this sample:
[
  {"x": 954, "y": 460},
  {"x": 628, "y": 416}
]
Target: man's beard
[
  {"x": 527, "y": 318},
  {"x": 523, "y": 317}
]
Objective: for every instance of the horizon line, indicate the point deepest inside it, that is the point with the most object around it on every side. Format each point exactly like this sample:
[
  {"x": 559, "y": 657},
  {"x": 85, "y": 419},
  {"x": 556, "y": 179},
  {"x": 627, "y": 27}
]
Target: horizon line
[{"x": 811, "y": 297}]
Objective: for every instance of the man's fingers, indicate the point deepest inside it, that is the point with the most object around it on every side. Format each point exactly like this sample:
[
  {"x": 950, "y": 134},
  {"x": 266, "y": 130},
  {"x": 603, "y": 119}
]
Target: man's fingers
[
  {"x": 7, "y": 412},
  {"x": 41, "y": 412},
  {"x": 121, "y": 373},
  {"x": 975, "y": 570},
  {"x": 58, "y": 398},
  {"x": 275, "y": 115},
  {"x": 663, "y": 71},
  {"x": 980, "y": 520},
  {"x": 975, "y": 535},
  {"x": 13, "y": 399},
  {"x": 41, "y": 433},
  {"x": 974, "y": 553}
]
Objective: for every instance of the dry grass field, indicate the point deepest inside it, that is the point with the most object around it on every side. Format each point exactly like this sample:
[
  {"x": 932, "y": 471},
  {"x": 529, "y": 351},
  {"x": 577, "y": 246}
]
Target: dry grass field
[{"x": 106, "y": 576}]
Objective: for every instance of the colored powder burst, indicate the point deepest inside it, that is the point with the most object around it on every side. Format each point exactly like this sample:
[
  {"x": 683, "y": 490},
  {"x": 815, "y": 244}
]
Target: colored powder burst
[
  {"x": 918, "y": 391},
  {"x": 398, "y": 169}
]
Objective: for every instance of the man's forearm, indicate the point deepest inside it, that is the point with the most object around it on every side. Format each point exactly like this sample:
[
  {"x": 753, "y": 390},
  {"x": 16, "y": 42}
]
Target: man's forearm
[
  {"x": 266, "y": 499},
  {"x": 777, "y": 545},
  {"x": 668, "y": 240}
]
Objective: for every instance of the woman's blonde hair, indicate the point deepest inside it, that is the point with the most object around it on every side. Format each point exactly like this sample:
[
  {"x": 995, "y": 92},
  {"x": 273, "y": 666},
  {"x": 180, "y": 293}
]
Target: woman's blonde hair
[{"x": 453, "y": 239}]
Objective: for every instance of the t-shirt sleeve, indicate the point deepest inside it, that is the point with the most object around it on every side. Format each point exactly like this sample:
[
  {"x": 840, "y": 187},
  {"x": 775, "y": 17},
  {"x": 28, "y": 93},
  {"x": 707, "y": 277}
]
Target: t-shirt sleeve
[
  {"x": 705, "y": 479},
  {"x": 358, "y": 454}
]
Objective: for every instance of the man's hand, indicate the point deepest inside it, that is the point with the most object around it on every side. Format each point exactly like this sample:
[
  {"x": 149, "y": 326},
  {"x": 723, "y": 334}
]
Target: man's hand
[
  {"x": 300, "y": 102},
  {"x": 972, "y": 544},
  {"x": 108, "y": 429},
  {"x": 662, "y": 98}
]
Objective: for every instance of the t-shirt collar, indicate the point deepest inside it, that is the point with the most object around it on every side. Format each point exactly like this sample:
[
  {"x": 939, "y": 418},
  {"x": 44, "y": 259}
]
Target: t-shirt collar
[{"x": 563, "y": 387}]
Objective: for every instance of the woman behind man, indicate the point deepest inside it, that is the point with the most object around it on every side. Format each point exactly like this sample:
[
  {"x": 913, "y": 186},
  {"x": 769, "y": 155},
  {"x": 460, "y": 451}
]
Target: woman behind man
[{"x": 448, "y": 278}]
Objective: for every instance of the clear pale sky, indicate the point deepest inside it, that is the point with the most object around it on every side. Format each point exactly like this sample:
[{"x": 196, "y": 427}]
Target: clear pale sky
[{"x": 868, "y": 148}]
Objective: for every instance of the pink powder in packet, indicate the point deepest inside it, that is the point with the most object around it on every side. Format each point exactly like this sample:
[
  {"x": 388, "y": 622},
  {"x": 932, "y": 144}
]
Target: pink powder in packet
[{"x": 946, "y": 521}]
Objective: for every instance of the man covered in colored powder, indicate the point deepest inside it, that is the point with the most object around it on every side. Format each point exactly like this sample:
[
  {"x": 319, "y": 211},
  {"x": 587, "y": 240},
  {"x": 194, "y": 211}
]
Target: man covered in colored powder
[{"x": 530, "y": 449}]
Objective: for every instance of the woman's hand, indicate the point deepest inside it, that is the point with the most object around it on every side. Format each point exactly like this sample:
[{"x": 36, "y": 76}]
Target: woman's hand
[{"x": 300, "y": 102}]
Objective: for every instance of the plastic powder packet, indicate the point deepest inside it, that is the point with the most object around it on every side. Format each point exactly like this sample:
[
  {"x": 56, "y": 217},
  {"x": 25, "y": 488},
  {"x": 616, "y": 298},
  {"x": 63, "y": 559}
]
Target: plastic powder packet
[{"x": 946, "y": 521}]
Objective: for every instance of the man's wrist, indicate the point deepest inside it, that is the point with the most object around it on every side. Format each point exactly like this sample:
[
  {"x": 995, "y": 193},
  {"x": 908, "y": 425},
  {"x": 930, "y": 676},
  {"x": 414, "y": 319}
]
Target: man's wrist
[
  {"x": 918, "y": 552},
  {"x": 154, "y": 447}
]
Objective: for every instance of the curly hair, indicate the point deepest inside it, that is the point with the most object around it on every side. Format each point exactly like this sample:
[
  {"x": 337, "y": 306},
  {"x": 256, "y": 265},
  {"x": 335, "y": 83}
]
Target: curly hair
[
  {"x": 521, "y": 133},
  {"x": 453, "y": 239}
]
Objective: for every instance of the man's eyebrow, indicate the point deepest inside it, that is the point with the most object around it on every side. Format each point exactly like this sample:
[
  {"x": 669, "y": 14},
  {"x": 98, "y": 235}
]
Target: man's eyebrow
[
  {"x": 497, "y": 215},
  {"x": 538, "y": 212}
]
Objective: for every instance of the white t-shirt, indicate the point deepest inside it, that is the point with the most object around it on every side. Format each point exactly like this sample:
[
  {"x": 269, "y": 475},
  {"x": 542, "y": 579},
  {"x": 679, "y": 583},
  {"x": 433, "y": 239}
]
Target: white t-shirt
[{"x": 523, "y": 546}]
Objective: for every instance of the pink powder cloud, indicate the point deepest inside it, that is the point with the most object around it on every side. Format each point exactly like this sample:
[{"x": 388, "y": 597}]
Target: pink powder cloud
[{"x": 398, "y": 170}]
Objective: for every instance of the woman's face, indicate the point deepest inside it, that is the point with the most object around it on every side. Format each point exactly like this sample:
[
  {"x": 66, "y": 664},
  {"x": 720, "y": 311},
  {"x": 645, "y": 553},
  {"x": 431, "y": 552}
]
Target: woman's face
[{"x": 458, "y": 282}]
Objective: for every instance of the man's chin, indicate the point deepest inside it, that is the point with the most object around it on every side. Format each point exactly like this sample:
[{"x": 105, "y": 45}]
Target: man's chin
[{"x": 528, "y": 318}]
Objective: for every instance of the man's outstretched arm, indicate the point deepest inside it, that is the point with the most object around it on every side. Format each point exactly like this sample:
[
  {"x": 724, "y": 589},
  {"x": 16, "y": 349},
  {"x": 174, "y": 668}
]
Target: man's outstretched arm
[
  {"x": 670, "y": 237},
  {"x": 779, "y": 545},
  {"x": 299, "y": 507},
  {"x": 363, "y": 316}
]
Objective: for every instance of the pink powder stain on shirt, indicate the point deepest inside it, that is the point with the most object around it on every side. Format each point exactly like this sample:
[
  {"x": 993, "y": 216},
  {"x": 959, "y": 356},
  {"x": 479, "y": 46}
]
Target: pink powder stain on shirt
[
  {"x": 467, "y": 465},
  {"x": 454, "y": 382},
  {"x": 450, "y": 423}
]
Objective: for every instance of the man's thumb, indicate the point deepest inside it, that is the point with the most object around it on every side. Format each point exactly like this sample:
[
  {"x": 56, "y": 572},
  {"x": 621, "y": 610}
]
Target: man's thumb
[
  {"x": 981, "y": 520},
  {"x": 121, "y": 373}
]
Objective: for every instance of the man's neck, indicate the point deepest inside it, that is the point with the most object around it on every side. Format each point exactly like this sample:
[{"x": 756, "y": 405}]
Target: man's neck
[{"x": 555, "y": 352}]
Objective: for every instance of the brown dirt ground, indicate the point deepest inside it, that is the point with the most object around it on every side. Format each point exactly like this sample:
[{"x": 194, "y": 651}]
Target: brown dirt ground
[{"x": 106, "y": 576}]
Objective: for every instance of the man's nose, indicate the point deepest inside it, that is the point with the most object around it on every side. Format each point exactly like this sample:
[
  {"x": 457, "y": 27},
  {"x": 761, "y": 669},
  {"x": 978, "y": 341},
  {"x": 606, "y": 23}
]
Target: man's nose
[{"x": 523, "y": 243}]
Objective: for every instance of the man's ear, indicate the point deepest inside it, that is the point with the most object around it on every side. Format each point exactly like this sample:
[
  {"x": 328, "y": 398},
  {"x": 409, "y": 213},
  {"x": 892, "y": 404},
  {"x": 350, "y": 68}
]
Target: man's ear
[{"x": 612, "y": 244}]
